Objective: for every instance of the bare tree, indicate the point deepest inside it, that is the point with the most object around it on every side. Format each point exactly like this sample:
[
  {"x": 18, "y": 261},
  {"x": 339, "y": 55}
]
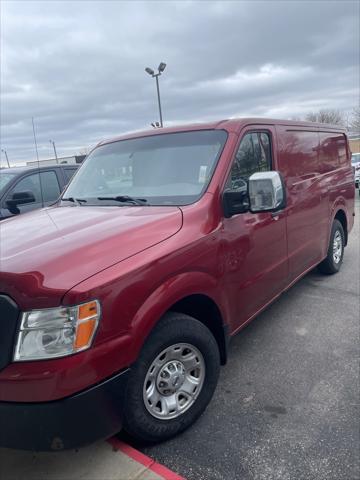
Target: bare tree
[
  {"x": 334, "y": 117},
  {"x": 84, "y": 151},
  {"x": 355, "y": 120}
]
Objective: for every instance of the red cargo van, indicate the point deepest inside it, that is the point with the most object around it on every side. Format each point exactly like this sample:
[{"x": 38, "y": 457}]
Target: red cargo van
[{"x": 118, "y": 303}]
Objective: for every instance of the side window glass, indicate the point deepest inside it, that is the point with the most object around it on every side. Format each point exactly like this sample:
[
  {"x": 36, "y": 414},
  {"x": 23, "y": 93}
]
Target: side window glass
[
  {"x": 50, "y": 186},
  {"x": 265, "y": 146},
  {"x": 253, "y": 155},
  {"x": 28, "y": 184},
  {"x": 68, "y": 173}
]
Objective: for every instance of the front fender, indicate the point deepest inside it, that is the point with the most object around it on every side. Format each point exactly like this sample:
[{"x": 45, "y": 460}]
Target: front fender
[{"x": 164, "y": 297}]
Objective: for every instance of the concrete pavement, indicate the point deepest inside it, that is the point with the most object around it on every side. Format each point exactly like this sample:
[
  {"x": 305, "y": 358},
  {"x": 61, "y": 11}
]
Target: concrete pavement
[{"x": 111, "y": 460}]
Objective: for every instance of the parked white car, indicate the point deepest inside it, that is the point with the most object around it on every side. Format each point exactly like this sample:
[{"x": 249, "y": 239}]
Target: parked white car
[{"x": 355, "y": 162}]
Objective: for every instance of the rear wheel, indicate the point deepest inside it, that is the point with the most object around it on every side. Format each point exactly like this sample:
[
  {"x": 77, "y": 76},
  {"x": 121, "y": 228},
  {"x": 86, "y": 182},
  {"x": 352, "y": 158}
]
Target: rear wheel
[
  {"x": 335, "y": 254},
  {"x": 173, "y": 380}
]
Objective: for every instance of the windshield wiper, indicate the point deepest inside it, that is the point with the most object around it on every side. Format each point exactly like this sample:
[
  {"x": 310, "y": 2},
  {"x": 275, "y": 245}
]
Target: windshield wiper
[
  {"x": 125, "y": 199},
  {"x": 78, "y": 201}
]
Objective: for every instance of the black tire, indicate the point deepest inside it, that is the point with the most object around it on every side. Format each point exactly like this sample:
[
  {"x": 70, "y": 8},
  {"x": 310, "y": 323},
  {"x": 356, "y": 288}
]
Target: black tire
[
  {"x": 172, "y": 329},
  {"x": 329, "y": 266}
]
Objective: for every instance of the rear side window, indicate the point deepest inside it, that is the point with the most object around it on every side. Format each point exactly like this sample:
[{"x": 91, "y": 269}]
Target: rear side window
[
  {"x": 68, "y": 173},
  {"x": 253, "y": 155},
  {"x": 50, "y": 186},
  {"x": 332, "y": 151}
]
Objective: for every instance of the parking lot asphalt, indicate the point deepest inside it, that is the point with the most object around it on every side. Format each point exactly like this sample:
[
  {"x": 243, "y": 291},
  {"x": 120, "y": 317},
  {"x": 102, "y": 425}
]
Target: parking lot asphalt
[{"x": 287, "y": 403}]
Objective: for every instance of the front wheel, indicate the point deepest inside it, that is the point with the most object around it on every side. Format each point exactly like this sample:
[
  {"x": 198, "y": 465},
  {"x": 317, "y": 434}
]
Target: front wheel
[
  {"x": 335, "y": 254},
  {"x": 173, "y": 380}
]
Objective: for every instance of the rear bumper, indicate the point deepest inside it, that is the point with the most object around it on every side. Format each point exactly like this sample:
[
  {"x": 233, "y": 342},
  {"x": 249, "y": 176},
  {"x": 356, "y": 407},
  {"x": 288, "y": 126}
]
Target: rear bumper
[{"x": 72, "y": 422}]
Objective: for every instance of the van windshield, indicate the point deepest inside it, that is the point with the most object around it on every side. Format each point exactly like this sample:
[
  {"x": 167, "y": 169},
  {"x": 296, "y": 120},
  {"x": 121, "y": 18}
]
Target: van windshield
[{"x": 165, "y": 169}]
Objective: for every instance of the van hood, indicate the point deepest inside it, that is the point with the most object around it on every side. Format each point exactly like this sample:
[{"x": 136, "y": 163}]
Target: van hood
[{"x": 45, "y": 253}]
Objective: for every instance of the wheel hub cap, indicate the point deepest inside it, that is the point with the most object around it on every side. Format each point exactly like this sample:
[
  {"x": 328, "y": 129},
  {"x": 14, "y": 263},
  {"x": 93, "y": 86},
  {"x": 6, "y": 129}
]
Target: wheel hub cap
[
  {"x": 174, "y": 381},
  {"x": 337, "y": 247},
  {"x": 170, "y": 378}
]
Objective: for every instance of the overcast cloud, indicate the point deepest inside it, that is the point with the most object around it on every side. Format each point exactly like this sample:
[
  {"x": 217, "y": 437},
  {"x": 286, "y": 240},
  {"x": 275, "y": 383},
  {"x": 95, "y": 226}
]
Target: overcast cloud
[{"x": 78, "y": 67}]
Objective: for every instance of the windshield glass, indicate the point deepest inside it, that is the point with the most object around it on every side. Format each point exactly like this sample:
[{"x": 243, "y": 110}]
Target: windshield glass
[
  {"x": 167, "y": 169},
  {"x": 355, "y": 158},
  {"x": 5, "y": 178}
]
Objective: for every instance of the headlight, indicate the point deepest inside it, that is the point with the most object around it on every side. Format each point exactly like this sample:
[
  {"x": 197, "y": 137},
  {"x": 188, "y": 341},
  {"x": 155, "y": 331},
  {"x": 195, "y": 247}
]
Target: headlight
[{"x": 56, "y": 332}]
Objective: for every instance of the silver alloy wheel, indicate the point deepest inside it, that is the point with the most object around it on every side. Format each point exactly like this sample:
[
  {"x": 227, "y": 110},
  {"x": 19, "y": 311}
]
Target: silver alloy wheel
[
  {"x": 337, "y": 247},
  {"x": 174, "y": 381}
]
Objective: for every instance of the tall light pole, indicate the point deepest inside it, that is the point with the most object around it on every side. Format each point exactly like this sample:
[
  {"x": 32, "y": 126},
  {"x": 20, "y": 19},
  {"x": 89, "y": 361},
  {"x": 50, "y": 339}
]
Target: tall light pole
[
  {"x": 53, "y": 144},
  {"x": 151, "y": 72},
  {"x": 6, "y": 156}
]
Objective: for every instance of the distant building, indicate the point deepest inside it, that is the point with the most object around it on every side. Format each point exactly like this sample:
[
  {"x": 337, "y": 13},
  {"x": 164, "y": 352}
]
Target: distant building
[{"x": 75, "y": 159}]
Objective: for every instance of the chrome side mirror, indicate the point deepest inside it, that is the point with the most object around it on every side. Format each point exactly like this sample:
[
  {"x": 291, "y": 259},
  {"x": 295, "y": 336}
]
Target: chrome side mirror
[{"x": 266, "y": 192}]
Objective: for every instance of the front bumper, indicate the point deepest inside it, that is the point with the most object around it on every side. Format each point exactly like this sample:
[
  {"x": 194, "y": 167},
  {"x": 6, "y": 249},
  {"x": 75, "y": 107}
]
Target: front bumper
[{"x": 72, "y": 422}]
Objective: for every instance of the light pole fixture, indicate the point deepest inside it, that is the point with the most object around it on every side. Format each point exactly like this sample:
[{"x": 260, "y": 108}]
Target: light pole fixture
[
  {"x": 151, "y": 72},
  {"x": 6, "y": 156},
  {"x": 53, "y": 144}
]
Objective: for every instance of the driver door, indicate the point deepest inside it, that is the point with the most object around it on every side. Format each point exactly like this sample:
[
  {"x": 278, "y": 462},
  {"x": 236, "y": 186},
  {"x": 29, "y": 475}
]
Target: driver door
[{"x": 254, "y": 244}]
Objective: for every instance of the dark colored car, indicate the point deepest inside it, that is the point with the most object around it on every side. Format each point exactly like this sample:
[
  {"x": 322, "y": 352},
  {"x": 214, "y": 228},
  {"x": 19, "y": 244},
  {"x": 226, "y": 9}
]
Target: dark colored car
[
  {"x": 117, "y": 304},
  {"x": 23, "y": 189}
]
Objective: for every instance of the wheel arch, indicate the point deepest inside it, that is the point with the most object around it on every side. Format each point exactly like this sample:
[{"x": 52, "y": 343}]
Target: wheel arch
[
  {"x": 204, "y": 309},
  {"x": 193, "y": 294},
  {"x": 340, "y": 215}
]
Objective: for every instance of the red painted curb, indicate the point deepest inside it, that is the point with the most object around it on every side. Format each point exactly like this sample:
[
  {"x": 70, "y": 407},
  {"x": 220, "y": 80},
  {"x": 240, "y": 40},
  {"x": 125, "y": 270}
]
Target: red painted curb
[{"x": 144, "y": 460}]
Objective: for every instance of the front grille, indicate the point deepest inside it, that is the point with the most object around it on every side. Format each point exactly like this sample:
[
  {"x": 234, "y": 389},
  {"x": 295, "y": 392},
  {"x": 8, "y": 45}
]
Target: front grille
[{"x": 9, "y": 314}]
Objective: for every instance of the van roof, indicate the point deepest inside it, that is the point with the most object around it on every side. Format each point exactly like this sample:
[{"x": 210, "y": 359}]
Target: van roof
[{"x": 231, "y": 125}]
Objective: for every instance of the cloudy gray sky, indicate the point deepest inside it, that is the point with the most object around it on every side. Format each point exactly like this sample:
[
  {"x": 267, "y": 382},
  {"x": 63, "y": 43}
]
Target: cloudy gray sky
[{"x": 78, "y": 67}]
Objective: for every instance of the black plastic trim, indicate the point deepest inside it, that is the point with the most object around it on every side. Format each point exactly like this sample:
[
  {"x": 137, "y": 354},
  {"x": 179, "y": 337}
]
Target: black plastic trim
[
  {"x": 9, "y": 315},
  {"x": 72, "y": 422}
]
